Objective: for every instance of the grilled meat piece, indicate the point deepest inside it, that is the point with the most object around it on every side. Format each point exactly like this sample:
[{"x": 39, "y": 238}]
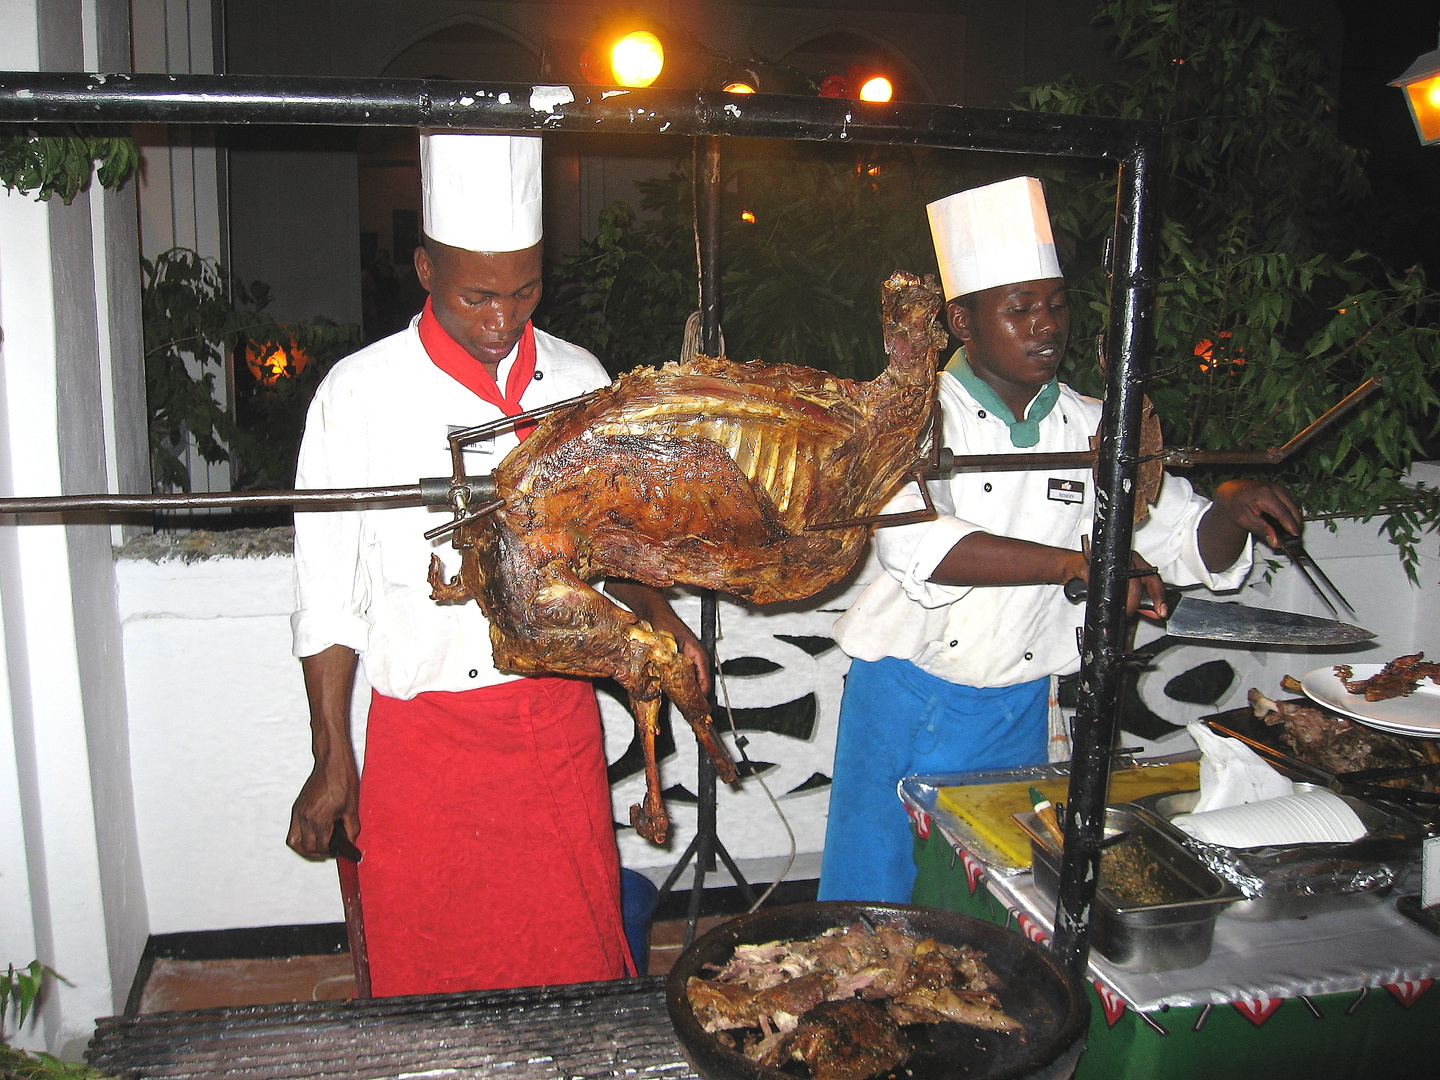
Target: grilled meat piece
[
  {"x": 707, "y": 473},
  {"x": 976, "y": 1008},
  {"x": 1399, "y": 678},
  {"x": 1337, "y": 745},
  {"x": 845, "y": 1040},
  {"x": 720, "y": 1006}
]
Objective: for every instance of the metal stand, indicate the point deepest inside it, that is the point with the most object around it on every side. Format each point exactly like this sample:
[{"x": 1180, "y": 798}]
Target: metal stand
[{"x": 706, "y": 844}]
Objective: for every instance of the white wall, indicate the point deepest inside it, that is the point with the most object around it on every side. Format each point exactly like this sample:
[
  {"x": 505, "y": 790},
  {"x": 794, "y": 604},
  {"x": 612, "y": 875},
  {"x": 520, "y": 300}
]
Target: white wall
[
  {"x": 220, "y": 745},
  {"x": 219, "y": 736},
  {"x": 70, "y": 881}
]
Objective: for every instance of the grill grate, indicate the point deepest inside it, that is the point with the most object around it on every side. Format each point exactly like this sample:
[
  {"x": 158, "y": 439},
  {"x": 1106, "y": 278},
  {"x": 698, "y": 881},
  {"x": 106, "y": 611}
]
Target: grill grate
[{"x": 583, "y": 1032}]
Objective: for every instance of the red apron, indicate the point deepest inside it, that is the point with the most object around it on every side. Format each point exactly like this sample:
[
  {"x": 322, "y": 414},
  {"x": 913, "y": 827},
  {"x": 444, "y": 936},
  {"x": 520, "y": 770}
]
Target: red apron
[{"x": 490, "y": 856}]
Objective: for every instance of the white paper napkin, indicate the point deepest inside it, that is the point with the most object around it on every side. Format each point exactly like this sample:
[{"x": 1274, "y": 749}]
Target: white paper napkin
[{"x": 1231, "y": 773}]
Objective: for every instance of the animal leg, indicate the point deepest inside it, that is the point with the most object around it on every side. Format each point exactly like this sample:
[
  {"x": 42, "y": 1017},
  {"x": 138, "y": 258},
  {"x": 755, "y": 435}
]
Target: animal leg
[
  {"x": 649, "y": 818},
  {"x": 677, "y": 677},
  {"x": 440, "y": 589}
]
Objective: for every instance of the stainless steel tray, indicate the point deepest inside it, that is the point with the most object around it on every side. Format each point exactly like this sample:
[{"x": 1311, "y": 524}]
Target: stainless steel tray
[
  {"x": 1143, "y": 938},
  {"x": 1306, "y": 879}
]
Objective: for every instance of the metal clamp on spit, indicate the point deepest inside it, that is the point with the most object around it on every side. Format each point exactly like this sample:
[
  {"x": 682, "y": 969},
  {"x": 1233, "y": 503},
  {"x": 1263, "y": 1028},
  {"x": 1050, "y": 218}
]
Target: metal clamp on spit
[{"x": 460, "y": 492}]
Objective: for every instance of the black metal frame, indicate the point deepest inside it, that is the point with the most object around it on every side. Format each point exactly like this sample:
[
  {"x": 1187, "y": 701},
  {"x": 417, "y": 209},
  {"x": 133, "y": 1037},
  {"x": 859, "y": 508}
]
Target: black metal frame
[{"x": 37, "y": 97}]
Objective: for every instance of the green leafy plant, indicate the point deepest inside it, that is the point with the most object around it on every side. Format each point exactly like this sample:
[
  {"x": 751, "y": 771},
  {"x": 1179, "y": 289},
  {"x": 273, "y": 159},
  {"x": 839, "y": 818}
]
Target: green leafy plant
[
  {"x": 808, "y": 233},
  {"x": 1264, "y": 325},
  {"x": 196, "y": 316},
  {"x": 59, "y": 159},
  {"x": 19, "y": 989}
]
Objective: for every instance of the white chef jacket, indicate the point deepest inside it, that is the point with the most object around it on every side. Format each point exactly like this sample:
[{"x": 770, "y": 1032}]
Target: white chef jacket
[
  {"x": 381, "y": 416},
  {"x": 992, "y": 636}
]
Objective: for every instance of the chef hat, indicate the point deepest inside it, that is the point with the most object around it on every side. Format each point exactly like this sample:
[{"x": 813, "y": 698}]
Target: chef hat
[
  {"x": 481, "y": 192},
  {"x": 993, "y": 235}
]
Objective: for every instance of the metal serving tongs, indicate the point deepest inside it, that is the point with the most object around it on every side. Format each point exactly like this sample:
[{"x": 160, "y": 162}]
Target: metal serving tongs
[{"x": 1302, "y": 560}]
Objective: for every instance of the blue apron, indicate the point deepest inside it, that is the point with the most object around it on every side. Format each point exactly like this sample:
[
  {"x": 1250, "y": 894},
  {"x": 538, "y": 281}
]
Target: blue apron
[{"x": 896, "y": 720}]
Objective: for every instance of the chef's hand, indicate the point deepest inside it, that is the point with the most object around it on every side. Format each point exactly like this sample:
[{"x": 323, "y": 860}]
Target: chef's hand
[
  {"x": 689, "y": 645},
  {"x": 1244, "y": 508},
  {"x": 651, "y": 605},
  {"x": 1149, "y": 585},
  {"x": 333, "y": 789},
  {"x": 331, "y": 793}
]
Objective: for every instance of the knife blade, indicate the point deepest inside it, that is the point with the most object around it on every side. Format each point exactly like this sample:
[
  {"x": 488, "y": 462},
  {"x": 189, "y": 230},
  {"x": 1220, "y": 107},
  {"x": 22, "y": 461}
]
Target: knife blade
[{"x": 1211, "y": 620}]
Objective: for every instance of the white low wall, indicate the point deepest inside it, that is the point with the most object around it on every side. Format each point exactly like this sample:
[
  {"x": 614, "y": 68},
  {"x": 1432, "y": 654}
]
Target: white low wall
[
  {"x": 220, "y": 737},
  {"x": 220, "y": 744}
]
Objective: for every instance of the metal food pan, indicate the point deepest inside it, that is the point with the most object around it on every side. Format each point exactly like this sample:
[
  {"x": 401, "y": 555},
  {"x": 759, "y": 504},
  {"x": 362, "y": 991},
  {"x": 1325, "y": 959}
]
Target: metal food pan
[
  {"x": 1307, "y": 879},
  {"x": 1143, "y": 938}
]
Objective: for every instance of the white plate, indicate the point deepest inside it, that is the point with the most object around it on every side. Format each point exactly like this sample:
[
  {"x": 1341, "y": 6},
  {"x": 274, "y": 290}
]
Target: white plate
[{"x": 1418, "y": 714}]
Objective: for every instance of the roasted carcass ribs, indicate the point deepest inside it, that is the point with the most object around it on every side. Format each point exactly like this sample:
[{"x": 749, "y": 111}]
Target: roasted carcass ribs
[{"x": 705, "y": 473}]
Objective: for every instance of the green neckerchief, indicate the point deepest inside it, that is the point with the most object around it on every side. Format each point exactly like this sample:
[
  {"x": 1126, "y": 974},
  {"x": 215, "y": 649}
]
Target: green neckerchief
[{"x": 1024, "y": 432}]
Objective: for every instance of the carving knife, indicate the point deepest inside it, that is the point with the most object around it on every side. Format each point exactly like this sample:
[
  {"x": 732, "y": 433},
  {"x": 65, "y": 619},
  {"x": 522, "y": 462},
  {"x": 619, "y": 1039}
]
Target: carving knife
[{"x": 1212, "y": 620}]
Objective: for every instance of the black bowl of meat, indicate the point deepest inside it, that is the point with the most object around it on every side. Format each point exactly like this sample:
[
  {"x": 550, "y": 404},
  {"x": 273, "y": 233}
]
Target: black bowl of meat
[{"x": 852, "y": 991}]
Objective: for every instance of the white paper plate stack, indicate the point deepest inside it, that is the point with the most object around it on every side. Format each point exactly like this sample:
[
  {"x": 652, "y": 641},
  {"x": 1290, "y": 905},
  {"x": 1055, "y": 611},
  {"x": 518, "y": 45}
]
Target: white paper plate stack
[{"x": 1313, "y": 817}]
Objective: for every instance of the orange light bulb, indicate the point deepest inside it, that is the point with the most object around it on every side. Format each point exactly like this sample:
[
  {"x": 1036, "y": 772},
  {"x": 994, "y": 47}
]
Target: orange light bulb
[
  {"x": 637, "y": 59},
  {"x": 876, "y": 89}
]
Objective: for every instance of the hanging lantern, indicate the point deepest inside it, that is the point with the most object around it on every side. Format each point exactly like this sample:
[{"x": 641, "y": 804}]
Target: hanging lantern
[
  {"x": 270, "y": 362},
  {"x": 1421, "y": 83}
]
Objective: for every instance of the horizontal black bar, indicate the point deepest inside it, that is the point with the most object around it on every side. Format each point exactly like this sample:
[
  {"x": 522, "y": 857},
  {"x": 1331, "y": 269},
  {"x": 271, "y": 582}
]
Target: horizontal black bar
[
  {"x": 252, "y": 942},
  {"x": 77, "y": 97}
]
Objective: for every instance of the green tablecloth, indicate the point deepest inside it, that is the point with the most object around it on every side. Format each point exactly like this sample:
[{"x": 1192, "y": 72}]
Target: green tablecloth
[{"x": 1391, "y": 1032}]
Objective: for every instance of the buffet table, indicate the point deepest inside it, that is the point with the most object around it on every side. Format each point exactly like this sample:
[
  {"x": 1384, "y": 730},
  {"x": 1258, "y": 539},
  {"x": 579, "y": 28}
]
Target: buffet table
[
  {"x": 588, "y": 1030},
  {"x": 1345, "y": 993}
]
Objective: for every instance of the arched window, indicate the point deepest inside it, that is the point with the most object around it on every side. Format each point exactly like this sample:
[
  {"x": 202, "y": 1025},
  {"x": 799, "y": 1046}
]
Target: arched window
[{"x": 466, "y": 51}]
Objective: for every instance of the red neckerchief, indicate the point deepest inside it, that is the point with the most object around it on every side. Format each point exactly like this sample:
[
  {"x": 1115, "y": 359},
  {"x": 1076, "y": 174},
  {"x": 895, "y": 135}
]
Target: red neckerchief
[{"x": 450, "y": 357}]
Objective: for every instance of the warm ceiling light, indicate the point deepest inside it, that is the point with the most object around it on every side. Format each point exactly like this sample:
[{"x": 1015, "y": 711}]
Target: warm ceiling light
[
  {"x": 876, "y": 89},
  {"x": 747, "y": 216},
  {"x": 738, "y": 88},
  {"x": 637, "y": 59}
]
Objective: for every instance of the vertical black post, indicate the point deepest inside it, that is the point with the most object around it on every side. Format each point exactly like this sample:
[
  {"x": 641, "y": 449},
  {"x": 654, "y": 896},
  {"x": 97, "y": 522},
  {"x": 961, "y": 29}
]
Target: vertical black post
[
  {"x": 1097, "y": 720},
  {"x": 706, "y": 173}
]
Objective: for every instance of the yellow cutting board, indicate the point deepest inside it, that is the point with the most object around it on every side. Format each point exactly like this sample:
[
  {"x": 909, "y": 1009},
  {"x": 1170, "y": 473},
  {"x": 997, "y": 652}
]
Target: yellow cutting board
[{"x": 985, "y": 809}]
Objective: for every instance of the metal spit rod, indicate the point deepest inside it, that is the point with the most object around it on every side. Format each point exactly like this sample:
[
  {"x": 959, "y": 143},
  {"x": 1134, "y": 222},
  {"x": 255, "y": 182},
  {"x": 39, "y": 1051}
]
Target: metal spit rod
[
  {"x": 440, "y": 491},
  {"x": 433, "y": 491}
]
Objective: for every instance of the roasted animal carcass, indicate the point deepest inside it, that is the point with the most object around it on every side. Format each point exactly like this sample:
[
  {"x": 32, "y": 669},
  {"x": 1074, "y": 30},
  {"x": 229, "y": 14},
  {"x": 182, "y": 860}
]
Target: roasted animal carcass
[{"x": 706, "y": 473}]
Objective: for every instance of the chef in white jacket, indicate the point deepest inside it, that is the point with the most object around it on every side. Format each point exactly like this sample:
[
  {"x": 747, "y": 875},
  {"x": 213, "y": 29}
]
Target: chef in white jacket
[
  {"x": 953, "y": 646},
  {"x": 483, "y": 813}
]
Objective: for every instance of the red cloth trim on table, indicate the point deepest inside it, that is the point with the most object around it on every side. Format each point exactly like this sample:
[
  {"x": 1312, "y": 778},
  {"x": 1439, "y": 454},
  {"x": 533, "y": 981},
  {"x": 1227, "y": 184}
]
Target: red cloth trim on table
[
  {"x": 1409, "y": 991},
  {"x": 488, "y": 841},
  {"x": 1258, "y": 1010},
  {"x": 452, "y": 358}
]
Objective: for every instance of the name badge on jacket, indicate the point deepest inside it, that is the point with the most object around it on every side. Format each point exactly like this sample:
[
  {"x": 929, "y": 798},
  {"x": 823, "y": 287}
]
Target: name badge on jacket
[
  {"x": 476, "y": 451},
  {"x": 1068, "y": 491}
]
